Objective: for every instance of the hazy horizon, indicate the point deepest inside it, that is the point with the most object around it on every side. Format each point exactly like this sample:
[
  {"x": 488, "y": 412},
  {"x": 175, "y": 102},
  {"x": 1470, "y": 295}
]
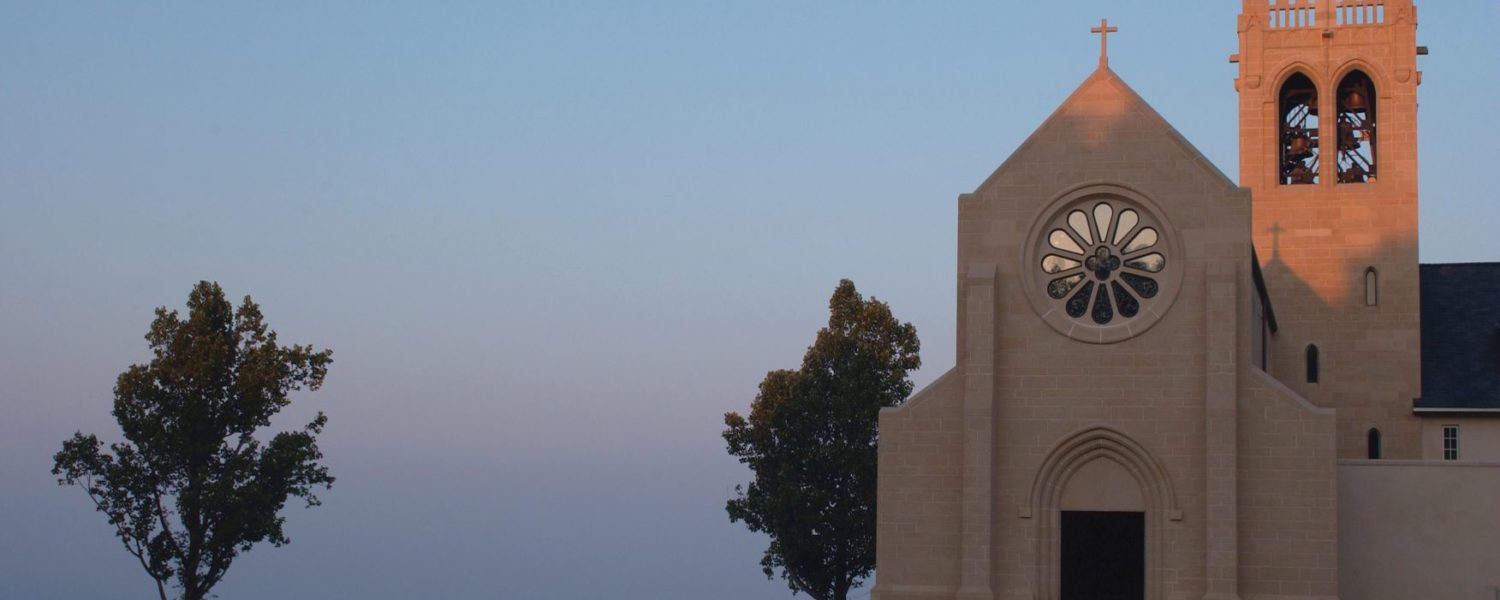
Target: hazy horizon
[{"x": 550, "y": 246}]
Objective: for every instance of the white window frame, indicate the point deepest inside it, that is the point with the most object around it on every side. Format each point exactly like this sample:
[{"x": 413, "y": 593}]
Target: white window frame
[{"x": 1450, "y": 434}]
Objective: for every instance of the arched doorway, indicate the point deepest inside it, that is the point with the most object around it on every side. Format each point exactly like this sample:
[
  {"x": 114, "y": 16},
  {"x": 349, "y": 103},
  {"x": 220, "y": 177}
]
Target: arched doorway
[
  {"x": 1103, "y": 534},
  {"x": 1100, "y": 492}
]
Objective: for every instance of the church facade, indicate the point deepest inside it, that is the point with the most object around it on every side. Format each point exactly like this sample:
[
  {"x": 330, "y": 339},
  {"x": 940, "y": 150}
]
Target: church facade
[{"x": 1171, "y": 385}]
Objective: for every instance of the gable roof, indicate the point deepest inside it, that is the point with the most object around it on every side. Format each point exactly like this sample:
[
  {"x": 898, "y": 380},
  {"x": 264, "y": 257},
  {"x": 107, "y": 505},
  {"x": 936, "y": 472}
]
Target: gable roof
[
  {"x": 1105, "y": 83},
  {"x": 1460, "y": 337}
]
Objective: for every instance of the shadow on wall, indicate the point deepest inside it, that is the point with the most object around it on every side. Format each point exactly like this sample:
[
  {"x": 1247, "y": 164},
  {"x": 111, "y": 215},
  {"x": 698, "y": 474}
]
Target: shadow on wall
[{"x": 1351, "y": 341}]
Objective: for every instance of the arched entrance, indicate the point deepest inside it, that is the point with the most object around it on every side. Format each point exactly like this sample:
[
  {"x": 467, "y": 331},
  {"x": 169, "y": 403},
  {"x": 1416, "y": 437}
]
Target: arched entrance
[{"x": 1101, "y": 500}]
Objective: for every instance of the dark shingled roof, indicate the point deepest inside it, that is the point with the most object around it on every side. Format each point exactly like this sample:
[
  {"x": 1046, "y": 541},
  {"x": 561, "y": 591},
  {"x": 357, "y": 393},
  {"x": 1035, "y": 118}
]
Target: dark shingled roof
[{"x": 1460, "y": 336}]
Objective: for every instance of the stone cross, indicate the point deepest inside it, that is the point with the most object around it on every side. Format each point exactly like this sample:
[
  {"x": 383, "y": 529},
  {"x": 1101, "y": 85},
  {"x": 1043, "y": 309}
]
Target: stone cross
[{"x": 1104, "y": 30}]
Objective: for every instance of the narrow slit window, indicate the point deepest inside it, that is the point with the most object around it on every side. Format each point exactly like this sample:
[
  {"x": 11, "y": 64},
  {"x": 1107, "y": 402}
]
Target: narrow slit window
[
  {"x": 1312, "y": 363},
  {"x": 1372, "y": 444},
  {"x": 1372, "y": 287},
  {"x": 1450, "y": 442}
]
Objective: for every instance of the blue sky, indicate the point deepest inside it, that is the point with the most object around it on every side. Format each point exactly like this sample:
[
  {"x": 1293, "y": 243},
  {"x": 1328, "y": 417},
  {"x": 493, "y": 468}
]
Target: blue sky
[{"x": 550, "y": 243}]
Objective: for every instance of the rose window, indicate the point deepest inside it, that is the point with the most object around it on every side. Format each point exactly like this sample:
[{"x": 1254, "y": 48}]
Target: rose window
[{"x": 1103, "y": 263}]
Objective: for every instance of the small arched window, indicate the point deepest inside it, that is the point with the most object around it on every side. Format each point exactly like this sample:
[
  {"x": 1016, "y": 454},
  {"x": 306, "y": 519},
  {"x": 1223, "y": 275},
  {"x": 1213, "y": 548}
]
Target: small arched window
[
  {"x": 1356, "y": 120},
  {"x": 1312, "y": 363},
  {"x": 1298, "y": 131},
  {"x": 1372, "y": 287},
  {"x": 1372, "y": 444}
]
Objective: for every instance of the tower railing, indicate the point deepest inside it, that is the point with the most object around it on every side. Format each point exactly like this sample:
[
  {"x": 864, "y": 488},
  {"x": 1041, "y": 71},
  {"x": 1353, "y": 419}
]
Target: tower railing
[
  {"x": 1292, "y": 14},
  {"x": 1359, "y": 12},
  {"x": 1308, "y": 14}
]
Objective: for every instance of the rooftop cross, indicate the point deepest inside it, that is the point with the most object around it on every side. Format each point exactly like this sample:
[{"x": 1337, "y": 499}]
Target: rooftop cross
[{"x": 1104, "y": 30}]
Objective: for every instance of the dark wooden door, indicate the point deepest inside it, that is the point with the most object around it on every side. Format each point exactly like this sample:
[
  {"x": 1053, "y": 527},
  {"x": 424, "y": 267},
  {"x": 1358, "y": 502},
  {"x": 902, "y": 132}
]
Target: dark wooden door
[{"x": 1103, "y": 555}]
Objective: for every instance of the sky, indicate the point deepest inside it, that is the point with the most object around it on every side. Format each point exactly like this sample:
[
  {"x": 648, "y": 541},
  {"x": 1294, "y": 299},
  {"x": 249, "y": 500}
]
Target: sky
[{"x": 550, "y": 244}]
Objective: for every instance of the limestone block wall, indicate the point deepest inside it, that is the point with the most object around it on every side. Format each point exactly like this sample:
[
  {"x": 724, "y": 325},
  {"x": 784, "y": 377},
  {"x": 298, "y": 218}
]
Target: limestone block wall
[
  {"x": 1145, "y": 395},
  {"x": 1317, "y": 240},
  {"x": 1149, "y": 390},
  {"x": 1419, "y": 529},
  {"x": 1235, "y": 471},
  {"x": 1288, "y": 508},
  {"x": 917, "y": 504}
]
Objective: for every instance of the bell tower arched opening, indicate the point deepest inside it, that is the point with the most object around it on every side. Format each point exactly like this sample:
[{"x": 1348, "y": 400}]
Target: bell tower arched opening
[
  {"x": 1298, "y": 131},
  {"x": 1356, "y": 125}
]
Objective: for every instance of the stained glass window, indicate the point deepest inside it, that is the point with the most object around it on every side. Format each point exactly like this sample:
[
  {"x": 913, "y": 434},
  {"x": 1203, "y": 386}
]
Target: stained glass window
[{"x": 1102, "y": 262}]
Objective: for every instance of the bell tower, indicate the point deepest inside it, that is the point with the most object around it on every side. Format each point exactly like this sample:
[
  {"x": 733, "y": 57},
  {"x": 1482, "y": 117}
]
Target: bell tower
[{"x": 1328, "y": 132}]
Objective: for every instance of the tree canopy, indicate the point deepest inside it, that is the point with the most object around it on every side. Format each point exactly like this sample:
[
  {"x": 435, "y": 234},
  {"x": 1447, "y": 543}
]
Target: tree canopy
[
  {"x": 811, "y": 441},
  {"x": 191, "y": 487}
]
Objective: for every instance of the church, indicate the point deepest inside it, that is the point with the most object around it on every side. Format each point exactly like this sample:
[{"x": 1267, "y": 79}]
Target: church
[{"x": 1172, "y": 385}]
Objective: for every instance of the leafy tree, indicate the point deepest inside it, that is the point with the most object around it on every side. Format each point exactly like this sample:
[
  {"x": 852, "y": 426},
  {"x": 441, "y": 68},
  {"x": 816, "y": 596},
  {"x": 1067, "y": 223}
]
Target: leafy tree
[
  {"x": 811, "y": 441},
  {"x": 191, "y": 487}
]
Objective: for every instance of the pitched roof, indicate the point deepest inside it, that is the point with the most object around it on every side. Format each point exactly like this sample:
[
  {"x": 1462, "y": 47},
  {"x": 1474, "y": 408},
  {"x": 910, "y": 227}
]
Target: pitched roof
[
  {"x": 1460, "y": 336},
  {"x": 1105, "y": 97}
]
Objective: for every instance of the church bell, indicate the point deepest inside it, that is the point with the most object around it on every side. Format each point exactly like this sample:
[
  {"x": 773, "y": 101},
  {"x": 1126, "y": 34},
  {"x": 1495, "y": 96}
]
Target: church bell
[
  {"x": 1300, "y": 146},
  {"x": 1355, "y": 96}
]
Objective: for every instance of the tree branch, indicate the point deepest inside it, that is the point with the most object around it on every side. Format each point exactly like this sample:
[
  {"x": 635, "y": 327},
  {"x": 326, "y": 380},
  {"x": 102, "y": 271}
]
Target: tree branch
[
  {"x": 137, "y": 550},
  {"x": 161, "y": 516}
]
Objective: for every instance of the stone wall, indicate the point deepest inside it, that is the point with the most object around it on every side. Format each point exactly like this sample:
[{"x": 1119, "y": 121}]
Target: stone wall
[
  {"x": 1287, "y": 507},
  {"x": 917, "y": 516},
  {"x": 1419, "y": 529}
]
